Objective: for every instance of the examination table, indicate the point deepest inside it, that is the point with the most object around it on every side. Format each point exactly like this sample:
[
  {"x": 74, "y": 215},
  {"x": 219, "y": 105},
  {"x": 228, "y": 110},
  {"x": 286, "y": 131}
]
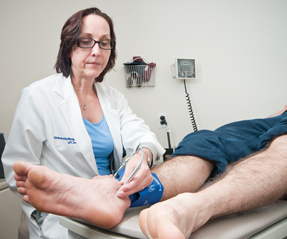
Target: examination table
[{"x": 268, "y": 222}]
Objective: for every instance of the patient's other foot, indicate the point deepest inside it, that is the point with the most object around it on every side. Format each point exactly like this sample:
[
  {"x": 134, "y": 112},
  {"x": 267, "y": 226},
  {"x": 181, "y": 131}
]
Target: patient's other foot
[
  {"x": 175, "y": 218},
  {"x": 93, "y": 200}
]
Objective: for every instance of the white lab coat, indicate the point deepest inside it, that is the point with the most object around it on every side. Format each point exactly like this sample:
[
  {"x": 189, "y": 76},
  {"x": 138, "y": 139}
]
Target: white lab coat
[{"x": 48, "y": 129}]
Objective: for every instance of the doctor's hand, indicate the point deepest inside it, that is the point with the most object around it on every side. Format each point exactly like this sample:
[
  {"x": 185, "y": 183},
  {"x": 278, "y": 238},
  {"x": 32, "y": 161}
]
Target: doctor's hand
[{"x": 142, "y": 179}]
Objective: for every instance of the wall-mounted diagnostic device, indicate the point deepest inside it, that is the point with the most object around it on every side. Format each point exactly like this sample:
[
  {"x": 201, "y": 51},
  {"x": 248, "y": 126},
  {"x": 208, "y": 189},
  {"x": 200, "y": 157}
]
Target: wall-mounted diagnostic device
[{"x": 185, "y": 69}]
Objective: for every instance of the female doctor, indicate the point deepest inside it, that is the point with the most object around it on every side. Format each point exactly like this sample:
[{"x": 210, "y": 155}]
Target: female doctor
[{"x": 73, "y": 124}]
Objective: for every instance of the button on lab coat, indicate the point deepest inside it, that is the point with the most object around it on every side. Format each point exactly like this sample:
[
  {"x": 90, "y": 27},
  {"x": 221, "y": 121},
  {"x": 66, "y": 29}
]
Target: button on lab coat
[{"x": 48, "y": 129}]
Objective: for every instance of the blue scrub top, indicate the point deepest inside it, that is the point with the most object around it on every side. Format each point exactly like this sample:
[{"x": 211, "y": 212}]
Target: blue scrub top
[{"x": 103, "y": 144}]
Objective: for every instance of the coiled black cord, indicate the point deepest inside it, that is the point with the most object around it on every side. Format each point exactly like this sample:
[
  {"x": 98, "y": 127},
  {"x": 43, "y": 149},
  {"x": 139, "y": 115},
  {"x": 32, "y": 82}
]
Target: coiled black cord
[{"x": 191, "y": 115}]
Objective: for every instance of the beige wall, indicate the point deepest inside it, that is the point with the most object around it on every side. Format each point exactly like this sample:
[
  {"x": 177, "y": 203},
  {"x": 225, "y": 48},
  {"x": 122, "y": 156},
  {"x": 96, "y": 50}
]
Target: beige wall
[{"x": 239, "y": 47}]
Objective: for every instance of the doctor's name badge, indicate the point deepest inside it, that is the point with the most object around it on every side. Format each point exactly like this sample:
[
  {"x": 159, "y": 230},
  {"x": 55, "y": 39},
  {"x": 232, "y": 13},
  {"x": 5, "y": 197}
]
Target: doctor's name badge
[{"x": 69, "y": 140}]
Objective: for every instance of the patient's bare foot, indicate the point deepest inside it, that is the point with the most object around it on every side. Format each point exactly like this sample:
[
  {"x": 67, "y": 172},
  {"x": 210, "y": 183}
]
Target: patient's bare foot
[
  {"x": 175, "y": 218},
  {"x": 93, "y": 200}
]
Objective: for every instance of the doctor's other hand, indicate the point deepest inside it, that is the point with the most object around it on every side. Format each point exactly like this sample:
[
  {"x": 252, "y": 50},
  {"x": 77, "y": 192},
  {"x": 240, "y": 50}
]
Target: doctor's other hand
[{"x": 142, "y": 179}]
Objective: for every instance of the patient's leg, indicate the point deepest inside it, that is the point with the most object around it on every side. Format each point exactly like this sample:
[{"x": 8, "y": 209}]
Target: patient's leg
[
  {"x": 92, "y": 200},
  {"x": 254, "y": 182},
  {"x": 183, "y": 174}
]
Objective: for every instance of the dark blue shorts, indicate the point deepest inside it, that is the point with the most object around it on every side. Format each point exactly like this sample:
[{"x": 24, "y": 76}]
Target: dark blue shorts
[{"x": 233, "y": 141}]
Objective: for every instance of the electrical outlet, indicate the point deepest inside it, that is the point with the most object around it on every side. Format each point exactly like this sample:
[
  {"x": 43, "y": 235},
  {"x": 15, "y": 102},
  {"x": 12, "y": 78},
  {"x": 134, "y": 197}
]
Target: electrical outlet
[{"x": 159, "y": 120}]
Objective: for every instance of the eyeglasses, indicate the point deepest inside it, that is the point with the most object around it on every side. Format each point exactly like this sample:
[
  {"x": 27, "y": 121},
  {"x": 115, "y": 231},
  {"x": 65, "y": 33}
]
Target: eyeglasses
[{"x": 85, "y": 42}]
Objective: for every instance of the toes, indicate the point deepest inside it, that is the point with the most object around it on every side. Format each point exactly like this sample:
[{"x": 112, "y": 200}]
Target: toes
[
  {"x": 27, "y": 199},
  {"x": 20, "y": 184},
  {"x": 20, "y": 178},
  {"x": 22, "y": 190},
  {"x": 22, "y": 168}
]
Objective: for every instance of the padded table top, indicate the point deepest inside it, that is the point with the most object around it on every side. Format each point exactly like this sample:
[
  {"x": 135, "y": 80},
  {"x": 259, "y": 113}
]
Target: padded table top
[{"x": 243, "y": 225}]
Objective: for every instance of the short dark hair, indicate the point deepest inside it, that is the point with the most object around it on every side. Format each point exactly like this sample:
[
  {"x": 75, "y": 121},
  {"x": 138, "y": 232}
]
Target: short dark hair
[{"x": 71, "y": 31}]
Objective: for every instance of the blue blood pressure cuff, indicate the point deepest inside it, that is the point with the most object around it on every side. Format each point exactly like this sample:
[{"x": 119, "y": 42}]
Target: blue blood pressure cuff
[{"x": 149, "y": 195}]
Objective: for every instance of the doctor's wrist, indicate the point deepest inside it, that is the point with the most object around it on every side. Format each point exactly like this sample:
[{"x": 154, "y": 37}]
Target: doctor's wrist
[
  {"x": 151, "y": 149},
  {"x": 146, "y": 154}
]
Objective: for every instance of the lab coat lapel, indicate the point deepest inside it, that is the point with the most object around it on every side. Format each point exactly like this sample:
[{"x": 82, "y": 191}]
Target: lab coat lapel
[{"x": 70, "y": 108}]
